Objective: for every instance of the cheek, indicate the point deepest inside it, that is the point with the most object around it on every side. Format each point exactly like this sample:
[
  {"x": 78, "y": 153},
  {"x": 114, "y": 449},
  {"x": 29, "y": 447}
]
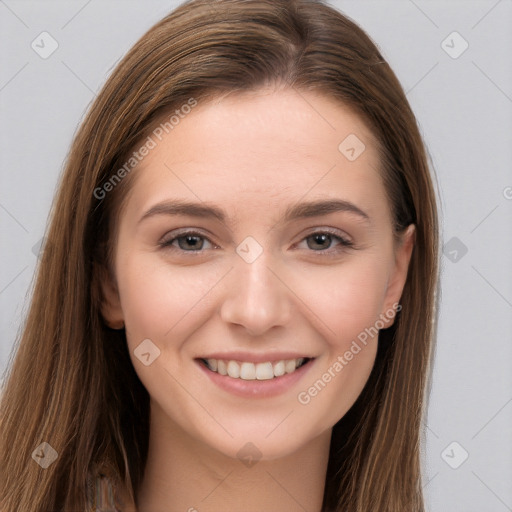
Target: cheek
[
  {"x": 348, "y": 308},
  {"x": 158, "y": 300},
  {"x": 346, "y": 298}
]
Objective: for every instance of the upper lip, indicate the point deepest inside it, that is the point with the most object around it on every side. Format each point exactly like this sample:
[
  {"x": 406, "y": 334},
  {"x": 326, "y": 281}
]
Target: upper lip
[{"x": 254, "y": 357}]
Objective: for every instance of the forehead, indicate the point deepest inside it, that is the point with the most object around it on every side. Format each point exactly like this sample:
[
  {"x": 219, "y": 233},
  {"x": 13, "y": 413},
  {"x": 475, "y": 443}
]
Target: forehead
[{"x": 259, "y": 149}]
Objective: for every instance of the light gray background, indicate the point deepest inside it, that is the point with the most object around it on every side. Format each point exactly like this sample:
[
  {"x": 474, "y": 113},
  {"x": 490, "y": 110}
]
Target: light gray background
[{"x": 464, "y": 107}]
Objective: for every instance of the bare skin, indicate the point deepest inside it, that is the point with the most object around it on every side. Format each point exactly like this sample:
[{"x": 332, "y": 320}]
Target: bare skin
[{"x": 253, "y": 156}]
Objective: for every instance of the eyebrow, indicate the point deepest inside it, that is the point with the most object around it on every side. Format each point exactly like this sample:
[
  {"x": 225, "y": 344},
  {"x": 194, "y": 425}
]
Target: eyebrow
[{"x": 294, "y": 212}]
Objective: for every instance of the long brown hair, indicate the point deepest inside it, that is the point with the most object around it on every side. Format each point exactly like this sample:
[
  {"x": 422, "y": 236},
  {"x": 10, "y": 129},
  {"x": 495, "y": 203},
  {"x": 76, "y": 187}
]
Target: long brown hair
[{"x": 72, "y": 384}]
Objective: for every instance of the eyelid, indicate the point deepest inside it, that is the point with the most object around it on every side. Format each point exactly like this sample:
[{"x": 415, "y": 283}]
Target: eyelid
[
  {"x": 175, "y": 233},
  {"x": 331, "y": 231}
]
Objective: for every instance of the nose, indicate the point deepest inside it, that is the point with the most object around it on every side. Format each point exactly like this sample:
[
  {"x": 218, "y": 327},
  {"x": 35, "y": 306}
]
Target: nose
[{"x": 257, "y": 297}]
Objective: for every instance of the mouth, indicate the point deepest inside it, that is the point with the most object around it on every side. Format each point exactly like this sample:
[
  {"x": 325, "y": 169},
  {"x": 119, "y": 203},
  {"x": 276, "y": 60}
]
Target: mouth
[{"x": 249, "y": 371}]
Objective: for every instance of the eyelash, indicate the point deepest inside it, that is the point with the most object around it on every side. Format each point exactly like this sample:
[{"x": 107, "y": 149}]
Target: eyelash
[{"x": 344, "y": 243}]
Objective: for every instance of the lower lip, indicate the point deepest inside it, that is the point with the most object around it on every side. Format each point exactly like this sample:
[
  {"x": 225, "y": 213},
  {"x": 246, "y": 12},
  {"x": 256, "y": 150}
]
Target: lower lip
[{"x": 257, "y": 388}]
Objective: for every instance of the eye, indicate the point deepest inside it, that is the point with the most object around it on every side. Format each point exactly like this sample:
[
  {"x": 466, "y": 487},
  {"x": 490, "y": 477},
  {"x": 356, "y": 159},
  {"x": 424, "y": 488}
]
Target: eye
[
  {"x": 189, "y": 241},
  {"x": 322, "y": 241}
]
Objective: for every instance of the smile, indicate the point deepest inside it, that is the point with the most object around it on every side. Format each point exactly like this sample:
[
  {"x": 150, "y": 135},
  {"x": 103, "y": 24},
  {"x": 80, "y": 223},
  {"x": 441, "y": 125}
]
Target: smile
[{"x": 254, "y": 371}]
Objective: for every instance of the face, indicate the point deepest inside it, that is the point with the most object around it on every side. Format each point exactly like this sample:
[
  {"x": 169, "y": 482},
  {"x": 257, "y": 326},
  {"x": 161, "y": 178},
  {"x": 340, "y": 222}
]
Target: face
[{"x": 257, "y": 240}]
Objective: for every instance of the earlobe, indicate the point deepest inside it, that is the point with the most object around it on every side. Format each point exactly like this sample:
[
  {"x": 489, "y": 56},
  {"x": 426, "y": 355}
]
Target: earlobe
[
  {"x": 403, "y": 253},
  {"x": 108, "y": 296}
]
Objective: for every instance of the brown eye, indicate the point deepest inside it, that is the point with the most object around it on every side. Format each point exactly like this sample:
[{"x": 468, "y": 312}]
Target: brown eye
[
  {"x": 190, "y": 242},
  {"x": 325, "y": 242},
  {"x": 186, "y": 242},
  {"x": 319, "y": 241}
]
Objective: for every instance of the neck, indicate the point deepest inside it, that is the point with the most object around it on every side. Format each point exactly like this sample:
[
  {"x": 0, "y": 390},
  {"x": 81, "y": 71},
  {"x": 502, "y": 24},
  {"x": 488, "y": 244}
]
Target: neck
[{"x": 185, "y": 475}]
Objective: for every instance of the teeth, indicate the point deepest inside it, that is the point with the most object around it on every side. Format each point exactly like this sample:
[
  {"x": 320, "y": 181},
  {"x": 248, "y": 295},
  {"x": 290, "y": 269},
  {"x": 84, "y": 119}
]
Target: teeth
[
  {"x": 247, "y": 371},
  {"x": 251, "y": 371},
  {"x": 221, "y": 367},
  {"x": 264, "y": 371},
  {"x": 233, "y": 369},
  {"x": 279, "y": 368},
  {"x": 289, "y": 366}
]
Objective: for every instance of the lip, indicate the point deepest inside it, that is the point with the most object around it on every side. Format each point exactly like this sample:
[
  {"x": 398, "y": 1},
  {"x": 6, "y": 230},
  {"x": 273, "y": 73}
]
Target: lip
[
  {"x": 255, "y": 388},
  {"x": 243, "y": 357}
]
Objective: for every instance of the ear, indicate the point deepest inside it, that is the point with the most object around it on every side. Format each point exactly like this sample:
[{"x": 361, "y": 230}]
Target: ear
[
  {"x": 398, "y": 276},
  {"x": 108, "y": 296}
]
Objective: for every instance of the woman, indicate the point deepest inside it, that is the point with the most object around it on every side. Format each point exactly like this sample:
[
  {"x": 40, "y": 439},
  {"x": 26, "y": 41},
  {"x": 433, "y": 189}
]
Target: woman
[{"x": 235, "y": 305}]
